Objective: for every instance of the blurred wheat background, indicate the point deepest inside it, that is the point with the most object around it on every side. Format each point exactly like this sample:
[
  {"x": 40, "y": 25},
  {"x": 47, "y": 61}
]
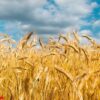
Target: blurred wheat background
[{"x": 55, "y": 70}]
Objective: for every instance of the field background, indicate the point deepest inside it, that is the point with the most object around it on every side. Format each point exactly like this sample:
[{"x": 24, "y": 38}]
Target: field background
[{"x": 62, "y": 69}]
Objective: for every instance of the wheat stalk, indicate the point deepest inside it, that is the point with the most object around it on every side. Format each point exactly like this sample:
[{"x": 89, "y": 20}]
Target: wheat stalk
[
  {"x": 65, "y": 73},
  {"x": 76, "y": 36},
  {"x": 41, "y": 43},
  {"x": 24, "y": 40},
  {"x": 61, "y": 36},
  {"x": 90, "y": 39},
  {"x": 73, "y": 47}
]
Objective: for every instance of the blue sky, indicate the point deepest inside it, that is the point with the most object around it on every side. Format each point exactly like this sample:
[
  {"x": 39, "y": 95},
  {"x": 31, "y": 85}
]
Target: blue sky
[{"x": 50, "y": 17}]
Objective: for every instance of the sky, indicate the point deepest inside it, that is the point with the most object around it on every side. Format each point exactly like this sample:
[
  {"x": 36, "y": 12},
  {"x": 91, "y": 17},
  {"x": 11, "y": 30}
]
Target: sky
[{"x": 50, "y": 17}]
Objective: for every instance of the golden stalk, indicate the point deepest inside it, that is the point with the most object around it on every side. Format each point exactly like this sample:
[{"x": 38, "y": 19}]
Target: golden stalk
[{"x": 24, "y": 40}]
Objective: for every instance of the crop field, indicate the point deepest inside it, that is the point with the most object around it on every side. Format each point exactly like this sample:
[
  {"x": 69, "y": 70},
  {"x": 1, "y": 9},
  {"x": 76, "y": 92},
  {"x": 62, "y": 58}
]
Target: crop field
[{"x": 61, "y": 69}]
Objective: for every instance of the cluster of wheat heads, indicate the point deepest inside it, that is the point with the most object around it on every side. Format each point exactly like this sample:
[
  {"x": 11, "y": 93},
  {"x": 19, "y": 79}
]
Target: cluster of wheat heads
[{"x": 58, "y": 70}]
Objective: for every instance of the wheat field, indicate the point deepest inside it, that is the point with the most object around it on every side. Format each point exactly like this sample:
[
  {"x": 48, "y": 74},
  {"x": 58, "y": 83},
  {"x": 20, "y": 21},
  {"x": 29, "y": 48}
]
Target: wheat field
[{"x": 62, "y": 69}]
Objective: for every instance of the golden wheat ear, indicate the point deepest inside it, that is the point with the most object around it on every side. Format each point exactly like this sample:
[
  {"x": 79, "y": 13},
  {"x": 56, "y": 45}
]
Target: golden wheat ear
[
  {"x": 86, "y": 36},
  {"x": 63, "y": 37},
  {"x": 24, "y": 40},
  {"x": 41, "y": 43},
  {"x": 27, "y": 36},
  {"x": 76, "y": 36},
  {"x": 90, "y": 39}
]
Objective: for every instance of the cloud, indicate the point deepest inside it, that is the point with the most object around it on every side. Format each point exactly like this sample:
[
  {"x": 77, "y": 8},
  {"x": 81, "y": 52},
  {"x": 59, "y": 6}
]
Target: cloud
[
  {"x": 44, "y": 16},
  {"x": 96, "y": 24},
  {"x": 86, "y": 32}
]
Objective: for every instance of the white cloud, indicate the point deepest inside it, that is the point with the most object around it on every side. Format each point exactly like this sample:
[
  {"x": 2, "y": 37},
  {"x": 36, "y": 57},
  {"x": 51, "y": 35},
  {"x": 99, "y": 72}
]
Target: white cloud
[
  {"x": 94, "y": 5},
  {"x": 43, "y": 17},
  {"x": 88, "y": 32},
  {"x": 96, "y": 24}
]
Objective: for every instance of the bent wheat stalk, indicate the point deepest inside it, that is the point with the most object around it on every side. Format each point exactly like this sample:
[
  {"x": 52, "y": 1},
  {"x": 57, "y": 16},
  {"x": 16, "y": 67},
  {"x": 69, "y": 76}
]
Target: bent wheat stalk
[
  {"x": 41, "y": 43},
  {"x": 90, "y": 39},
  {"x": 76, "y": 36},
  {"x": 65, "y": 73},
  {"x": 86, "y": 56},
  {"x": 61, "y": 36},
  {"x": 73, "y": 47},
  {"x": 24, "y": 40}
]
